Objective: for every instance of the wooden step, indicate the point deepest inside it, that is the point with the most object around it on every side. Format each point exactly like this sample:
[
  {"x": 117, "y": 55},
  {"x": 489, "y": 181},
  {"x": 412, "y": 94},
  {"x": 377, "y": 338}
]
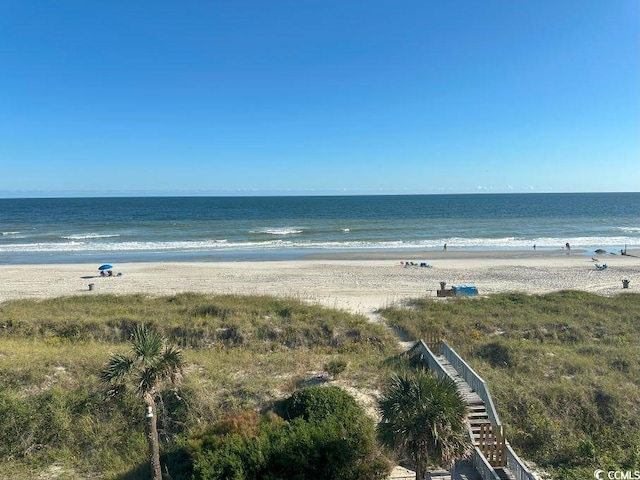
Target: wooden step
[
  {"x": 477, "y": 423},
  {"x": 504, "y": 473},
  {"x": 478, "y": 406},
  {"x": 478, "y": 414},
  {"x": 439, "y": 475}
]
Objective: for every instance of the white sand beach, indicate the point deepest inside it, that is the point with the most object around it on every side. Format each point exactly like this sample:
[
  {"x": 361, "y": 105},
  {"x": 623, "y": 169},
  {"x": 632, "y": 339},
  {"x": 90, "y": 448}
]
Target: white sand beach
[{"x": 359, "y": 284}]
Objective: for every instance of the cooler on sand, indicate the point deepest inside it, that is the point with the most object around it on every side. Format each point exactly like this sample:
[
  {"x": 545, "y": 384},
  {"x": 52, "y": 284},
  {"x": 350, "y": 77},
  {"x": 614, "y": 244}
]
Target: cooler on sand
[{"x": 466, "y": 290}]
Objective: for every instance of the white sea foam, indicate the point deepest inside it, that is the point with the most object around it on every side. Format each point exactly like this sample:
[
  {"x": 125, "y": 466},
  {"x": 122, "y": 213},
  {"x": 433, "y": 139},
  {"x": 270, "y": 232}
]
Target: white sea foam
[
  {"x": 6, "y": 234},
  {"x": 89, "y": 236},
  {"x": 279, "y": 231},
  {"x": 546, "y": 242},
  {"x": 225, "y": 245}
]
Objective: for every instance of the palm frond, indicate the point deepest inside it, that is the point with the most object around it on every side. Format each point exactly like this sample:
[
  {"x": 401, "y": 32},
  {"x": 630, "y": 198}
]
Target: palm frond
[
  {"x": 147, "y": 380},
  {"x": 418, "y": 411},
  {"x": 114, "y": 391},
  {"x": 167, "y": 368},
  {"x": 171, "y": 364},
  {"x": 118, "y": 368},
  {"x": 146, "y": 344}
]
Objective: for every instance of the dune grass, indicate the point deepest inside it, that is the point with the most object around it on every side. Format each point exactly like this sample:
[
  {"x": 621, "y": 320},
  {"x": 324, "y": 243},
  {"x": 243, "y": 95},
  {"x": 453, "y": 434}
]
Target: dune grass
[
  {"x": 242, "y": 352},
  {"x": 563, "y": 369}
]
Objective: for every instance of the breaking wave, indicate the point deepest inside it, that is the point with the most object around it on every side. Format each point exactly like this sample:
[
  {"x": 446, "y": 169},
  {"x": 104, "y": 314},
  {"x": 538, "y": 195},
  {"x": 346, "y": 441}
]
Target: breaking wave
[
  {"x": 507, "y": 243},
  {"x": 278, "y": 231},
  {"x": 89, "y": 236}
]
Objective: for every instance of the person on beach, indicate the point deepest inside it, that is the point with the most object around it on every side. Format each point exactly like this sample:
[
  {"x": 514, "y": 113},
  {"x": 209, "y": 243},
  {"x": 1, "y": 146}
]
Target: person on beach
[
  {"x": 445, "y": 247},
  {"x": 568, "y": 247}
]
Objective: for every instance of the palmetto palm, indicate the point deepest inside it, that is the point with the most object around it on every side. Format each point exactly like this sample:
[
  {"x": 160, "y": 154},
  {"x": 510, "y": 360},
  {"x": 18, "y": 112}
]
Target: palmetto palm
[
  {"x": 151, "y": 365},
  {"x": 424, "y": 416}
]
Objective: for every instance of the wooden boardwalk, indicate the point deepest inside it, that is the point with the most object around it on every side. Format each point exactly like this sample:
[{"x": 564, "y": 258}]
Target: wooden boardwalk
[
  {"x": 492, "y": 457},
  {"x": 491, "y": 443}
]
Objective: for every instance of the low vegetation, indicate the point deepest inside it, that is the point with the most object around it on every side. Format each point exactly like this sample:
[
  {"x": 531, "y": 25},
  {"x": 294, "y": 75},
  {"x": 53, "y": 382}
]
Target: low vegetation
[
  {"x": 317, "y": 432},
  {"x": 335, "y": 367},
  {"x": 242, "y": 353},
  {"x": 562, "y": 368}
]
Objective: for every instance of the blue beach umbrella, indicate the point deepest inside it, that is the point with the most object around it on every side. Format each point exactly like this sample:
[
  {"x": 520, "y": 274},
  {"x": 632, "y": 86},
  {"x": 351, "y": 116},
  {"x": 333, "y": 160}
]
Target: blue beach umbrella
[{"x": 106, "y": 266}]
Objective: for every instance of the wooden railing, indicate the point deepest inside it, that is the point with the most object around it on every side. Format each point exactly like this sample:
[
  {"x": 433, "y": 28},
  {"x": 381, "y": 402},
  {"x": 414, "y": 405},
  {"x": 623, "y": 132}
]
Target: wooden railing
[
  {"x": 431, "y": 359},
  {"x": 482, "y": 466},
  {"x": 515, "y": 465},
  {"x": 474, "y": 380},
  {"x": 480, "y": 463}
]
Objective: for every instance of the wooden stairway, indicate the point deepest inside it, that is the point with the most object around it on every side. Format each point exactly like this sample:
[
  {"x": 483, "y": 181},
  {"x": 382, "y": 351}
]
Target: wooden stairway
[
  {"x": 478, "y": 420},
  {"x": 477, "y": 416}
]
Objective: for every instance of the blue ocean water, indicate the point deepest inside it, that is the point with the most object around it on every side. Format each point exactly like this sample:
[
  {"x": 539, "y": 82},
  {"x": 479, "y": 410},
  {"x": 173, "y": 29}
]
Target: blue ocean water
[{"x": 257, "y": 228}]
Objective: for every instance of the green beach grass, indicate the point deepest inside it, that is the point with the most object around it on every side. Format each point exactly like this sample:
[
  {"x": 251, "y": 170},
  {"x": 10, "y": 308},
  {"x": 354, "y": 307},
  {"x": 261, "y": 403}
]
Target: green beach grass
[
  {"x": 563, "y": 370},
  {"x": 242, "y": 353}
]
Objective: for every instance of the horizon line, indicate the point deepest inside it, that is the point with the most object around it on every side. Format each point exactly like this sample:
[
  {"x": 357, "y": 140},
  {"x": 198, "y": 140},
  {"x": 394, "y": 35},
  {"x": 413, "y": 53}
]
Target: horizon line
[{"x": 45, "y": 194}]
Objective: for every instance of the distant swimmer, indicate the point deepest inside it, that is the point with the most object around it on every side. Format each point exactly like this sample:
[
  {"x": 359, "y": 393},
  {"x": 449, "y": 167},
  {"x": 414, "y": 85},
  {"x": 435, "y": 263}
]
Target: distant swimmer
[
  {"x": 445, "y": 247},
  {"x": 534, "y": 247},
  {"x": 568, "y": 247}
]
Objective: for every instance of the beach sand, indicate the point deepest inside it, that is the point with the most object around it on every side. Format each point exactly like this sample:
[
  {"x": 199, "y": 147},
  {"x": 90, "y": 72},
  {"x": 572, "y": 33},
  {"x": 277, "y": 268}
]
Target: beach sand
[{"x": 359, "y": 283}]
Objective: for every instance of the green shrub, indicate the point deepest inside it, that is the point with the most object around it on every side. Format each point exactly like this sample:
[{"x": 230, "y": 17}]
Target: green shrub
[
  {"x": 319, "y": 403},
  {"x": 498, "y": 354},
  {"x": 335, "y": 367},
  {"x": 326, "y": 435}
]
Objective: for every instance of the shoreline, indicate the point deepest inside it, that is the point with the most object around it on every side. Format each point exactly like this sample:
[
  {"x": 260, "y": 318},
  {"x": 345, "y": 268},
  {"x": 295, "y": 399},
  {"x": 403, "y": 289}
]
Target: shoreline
[
  {"x": 285, "y": 255},
  {"x": 360, "y": 283},
  {"x": 457, "y": 254}
]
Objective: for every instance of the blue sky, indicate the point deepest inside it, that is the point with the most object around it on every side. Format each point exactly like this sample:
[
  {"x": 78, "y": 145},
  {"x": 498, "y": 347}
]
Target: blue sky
[{"x": 318, "y": 97}]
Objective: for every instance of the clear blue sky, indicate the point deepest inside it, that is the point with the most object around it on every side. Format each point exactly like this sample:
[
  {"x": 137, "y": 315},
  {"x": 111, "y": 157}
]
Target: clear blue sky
[{"x": 314, "y": 97}]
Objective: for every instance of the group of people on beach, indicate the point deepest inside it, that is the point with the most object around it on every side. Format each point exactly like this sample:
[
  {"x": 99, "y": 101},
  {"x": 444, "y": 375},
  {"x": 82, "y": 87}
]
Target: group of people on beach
[
  {"x": 106, "y": 273},
  {"x": 414, "y": 264}
]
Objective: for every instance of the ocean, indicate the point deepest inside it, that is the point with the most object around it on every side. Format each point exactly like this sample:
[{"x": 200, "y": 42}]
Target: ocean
[{"x": 62, "y": 230}]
